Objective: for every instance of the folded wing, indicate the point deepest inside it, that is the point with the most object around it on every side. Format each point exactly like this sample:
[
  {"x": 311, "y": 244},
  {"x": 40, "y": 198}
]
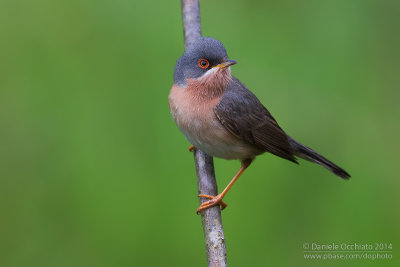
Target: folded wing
[{"x": 242, "y": 114}]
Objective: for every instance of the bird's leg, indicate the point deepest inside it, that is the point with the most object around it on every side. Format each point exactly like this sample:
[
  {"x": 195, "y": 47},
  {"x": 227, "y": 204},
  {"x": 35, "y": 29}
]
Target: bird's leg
[
  {"x": 191, "y": 148},
  {"x": 217, "y": 200},
  {"x": 221, "y": 203}
]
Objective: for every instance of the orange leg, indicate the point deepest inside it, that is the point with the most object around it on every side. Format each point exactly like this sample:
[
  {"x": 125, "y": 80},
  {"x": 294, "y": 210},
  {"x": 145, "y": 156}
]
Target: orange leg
[
  {"x": 191, "y": 148},
  {"x": 217, "y": 200},
  {"x": 223, "y": 204}
]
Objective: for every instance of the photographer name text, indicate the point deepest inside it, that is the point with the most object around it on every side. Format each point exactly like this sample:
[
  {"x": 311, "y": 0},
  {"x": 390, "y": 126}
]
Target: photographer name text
[{"x": 344, "y": 246}]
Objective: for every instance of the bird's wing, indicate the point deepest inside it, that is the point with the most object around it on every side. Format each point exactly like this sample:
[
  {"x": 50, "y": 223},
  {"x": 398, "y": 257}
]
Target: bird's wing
[{"x": 243, "y": 115}]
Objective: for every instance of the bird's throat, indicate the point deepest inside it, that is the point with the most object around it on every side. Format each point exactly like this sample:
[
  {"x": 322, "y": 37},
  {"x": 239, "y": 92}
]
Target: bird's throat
[{"x": 212, "y": 84}]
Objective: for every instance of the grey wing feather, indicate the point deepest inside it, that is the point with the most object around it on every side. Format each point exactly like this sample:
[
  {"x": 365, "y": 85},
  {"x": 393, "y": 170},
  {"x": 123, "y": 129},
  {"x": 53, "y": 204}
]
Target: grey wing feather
[{"x": 242, "y": 114}]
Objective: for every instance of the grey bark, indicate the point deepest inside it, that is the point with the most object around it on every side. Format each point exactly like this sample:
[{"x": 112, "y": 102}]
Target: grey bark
[{"x": 207, "y": 184}]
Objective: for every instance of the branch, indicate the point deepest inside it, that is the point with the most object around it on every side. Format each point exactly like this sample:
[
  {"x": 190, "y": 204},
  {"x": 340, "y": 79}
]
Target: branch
[
  {"x": 191, "y": 20},
  {"x": 207, "y": 184},
  {"x": 211, "y": 217}
]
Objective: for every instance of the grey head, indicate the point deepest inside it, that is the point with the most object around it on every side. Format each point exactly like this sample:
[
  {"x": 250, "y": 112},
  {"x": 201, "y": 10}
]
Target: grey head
[{"x": 202, "y": 56}]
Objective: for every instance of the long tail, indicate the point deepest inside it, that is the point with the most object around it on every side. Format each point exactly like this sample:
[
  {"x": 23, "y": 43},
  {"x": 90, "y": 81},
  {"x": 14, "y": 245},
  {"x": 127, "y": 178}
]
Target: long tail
[{"x": 310, "y": 155}]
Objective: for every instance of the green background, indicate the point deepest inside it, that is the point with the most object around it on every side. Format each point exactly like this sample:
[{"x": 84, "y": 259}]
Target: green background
[{"x": 94, "y": 172}]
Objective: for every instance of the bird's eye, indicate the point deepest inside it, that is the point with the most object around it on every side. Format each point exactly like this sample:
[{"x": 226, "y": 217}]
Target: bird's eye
[{"x": 203, "y": 63}]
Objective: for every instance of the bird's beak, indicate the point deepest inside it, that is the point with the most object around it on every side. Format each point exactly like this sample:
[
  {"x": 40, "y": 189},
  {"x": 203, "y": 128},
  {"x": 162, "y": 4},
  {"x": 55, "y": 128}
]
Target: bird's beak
[{"x": 226, "y": 64}]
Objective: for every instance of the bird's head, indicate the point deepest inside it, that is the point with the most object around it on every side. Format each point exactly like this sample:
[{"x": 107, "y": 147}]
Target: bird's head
[{"x": 204, "y": 64}]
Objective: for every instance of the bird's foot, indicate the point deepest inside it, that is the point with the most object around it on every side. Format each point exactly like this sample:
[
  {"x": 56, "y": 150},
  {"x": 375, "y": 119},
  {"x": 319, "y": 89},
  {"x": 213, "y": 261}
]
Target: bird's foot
[
  {"x": 191, "y": 148},
  {"x": 214, "y": 200}
]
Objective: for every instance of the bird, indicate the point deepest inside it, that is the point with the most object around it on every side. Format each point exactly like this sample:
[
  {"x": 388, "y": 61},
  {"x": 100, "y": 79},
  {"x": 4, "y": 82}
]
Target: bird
[{"x": 219, "y": 115}]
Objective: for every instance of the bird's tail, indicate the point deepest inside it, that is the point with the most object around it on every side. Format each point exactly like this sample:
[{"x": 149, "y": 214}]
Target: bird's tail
[{"x": 310, "y": 155}]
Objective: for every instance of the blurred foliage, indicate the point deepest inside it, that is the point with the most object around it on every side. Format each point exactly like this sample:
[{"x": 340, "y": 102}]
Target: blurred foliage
[{"x": 93, "y": 171}]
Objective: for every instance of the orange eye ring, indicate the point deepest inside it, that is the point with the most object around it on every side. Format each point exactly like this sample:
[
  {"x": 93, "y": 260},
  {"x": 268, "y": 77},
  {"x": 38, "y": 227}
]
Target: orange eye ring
[{"x": 203, "y": 63}]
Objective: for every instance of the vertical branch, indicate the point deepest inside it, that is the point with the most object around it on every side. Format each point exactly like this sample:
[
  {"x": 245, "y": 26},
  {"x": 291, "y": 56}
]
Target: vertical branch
[
  {"x": 211, "y": 217},
  {"x": 191, "y": 20},
  {"x": 207, "y": 184}
]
